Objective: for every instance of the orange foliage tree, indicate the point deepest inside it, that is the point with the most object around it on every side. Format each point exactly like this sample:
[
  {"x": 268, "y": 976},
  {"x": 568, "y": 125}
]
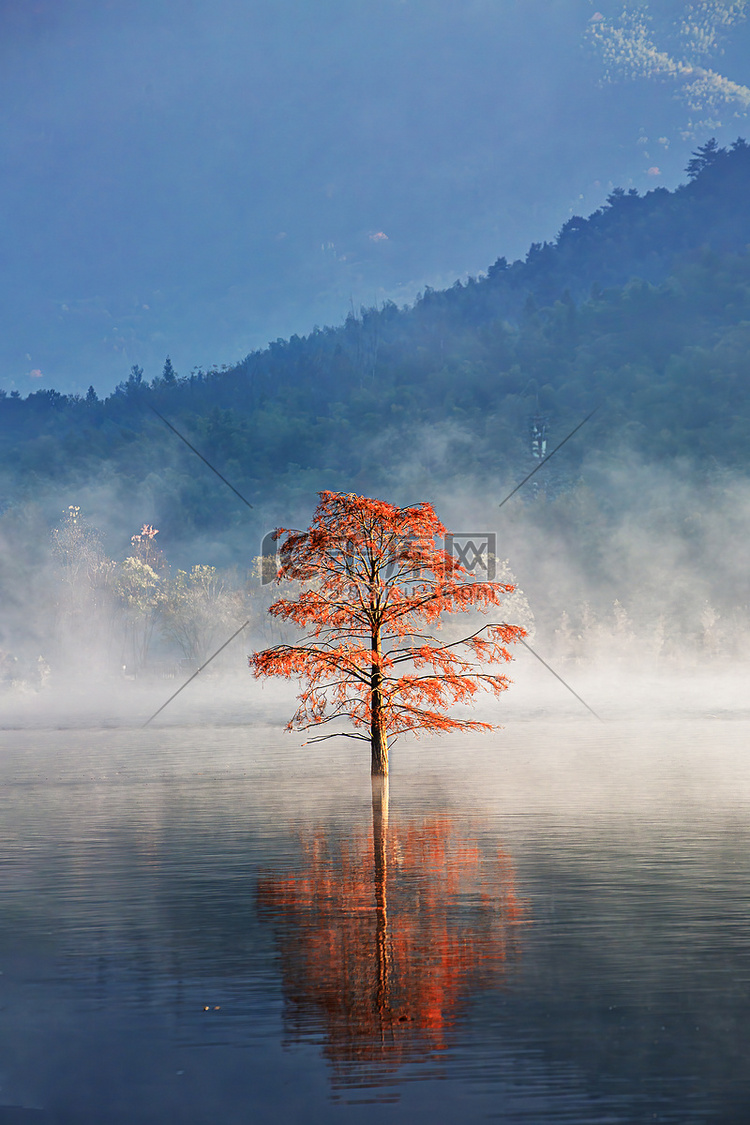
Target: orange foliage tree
[{"x": 374, "y": 580}]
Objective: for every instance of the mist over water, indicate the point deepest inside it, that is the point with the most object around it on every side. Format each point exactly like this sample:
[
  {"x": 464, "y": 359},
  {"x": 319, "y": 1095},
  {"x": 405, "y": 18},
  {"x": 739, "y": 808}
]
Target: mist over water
[
  {"x": 207, "y": 918},
  {"x": 632, "y": 573}
]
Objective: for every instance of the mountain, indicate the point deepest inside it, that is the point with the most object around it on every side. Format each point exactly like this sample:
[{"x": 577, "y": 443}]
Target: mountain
[
  {"x": 643, "y": 307},
  {"x": 255, "y": 169},
  {"x": 640, "y": 311}
]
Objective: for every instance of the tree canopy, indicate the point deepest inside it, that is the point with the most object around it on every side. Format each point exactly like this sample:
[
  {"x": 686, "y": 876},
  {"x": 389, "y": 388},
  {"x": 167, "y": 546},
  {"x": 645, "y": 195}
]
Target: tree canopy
[{"x": 374, "y": 578}]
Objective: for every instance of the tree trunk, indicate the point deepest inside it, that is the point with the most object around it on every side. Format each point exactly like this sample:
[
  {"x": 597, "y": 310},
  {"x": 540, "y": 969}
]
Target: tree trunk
[
  {"x": 378, "y": 735},
  {"x": 379, "y": 760}
]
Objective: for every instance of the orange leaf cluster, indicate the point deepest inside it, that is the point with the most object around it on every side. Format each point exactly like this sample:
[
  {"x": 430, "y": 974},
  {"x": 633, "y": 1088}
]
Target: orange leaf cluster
[{"x": 375, "y": 580}]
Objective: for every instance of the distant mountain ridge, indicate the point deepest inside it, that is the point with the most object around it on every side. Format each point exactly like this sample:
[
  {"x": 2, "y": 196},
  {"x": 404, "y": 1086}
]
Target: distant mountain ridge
[
  {"x": 643, "y": 236},
  {"x": 643, "y": 306}
]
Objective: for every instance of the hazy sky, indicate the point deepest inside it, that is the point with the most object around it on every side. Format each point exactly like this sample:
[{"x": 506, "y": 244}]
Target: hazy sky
[{"x": 196, "y": 178}]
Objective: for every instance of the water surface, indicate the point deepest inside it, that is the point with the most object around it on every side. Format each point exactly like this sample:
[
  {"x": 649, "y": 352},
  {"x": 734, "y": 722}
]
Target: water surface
[{"x": 213, "y": 925}]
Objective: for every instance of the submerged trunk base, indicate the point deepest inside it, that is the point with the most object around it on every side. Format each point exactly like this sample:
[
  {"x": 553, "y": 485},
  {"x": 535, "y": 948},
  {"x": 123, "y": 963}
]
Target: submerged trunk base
[{"x": 379, "y": 760}]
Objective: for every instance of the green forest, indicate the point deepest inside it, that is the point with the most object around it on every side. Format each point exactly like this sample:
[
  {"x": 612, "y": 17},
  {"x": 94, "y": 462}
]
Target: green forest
[{"x": 641, "y": 310}]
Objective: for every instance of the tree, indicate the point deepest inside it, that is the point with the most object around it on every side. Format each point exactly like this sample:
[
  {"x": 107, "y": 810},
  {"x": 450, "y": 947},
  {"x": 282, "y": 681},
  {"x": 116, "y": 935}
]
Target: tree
[
  {"x": 144, "y": 549},
  {"x": 140, "y": 592},
  {"x": 196, "y": 608},
  {"x": 86, "y": 592},
  {"x": 133, "y": 386},
  {"x": 373, "y": 580},
  {"x": 168, "y": 375},
  {"x": 703, "y": 158}
]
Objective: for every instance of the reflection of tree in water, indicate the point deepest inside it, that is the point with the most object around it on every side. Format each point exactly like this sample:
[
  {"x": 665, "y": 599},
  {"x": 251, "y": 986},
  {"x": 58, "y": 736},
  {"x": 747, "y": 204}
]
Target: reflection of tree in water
[{"x": 383, "y": 936}]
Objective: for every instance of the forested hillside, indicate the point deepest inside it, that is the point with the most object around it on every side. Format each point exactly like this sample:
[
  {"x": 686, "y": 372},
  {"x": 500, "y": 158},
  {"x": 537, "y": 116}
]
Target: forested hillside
[{"x": 643, "y": 309}]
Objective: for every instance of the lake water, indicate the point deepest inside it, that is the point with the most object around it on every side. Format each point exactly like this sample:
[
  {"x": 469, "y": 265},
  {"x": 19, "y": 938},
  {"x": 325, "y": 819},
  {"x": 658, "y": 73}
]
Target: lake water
[{"x": 211, "y": 925}]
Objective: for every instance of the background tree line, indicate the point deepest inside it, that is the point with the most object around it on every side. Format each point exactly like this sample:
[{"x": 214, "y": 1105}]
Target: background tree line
[{"x": 85, "y": 612}]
